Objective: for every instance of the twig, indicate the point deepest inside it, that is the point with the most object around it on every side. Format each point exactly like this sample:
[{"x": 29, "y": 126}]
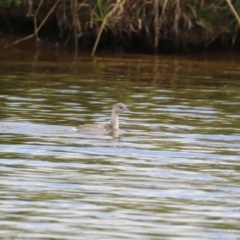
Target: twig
[
  {"x": 39, "y": 27},
  {"x": 156, "y": 24},
  {"x": 218, "y": 34},
  {"x": 234, "y": 11},
  {"x": 35, "y": 20}
]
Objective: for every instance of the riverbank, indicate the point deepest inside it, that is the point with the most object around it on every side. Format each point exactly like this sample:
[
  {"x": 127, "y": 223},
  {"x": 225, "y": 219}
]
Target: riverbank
[{"x": 169, "y": 26}]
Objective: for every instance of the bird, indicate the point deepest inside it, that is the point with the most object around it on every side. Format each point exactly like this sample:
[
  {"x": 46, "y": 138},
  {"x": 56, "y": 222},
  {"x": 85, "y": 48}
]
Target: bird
[{"x": 112, "y": 126}]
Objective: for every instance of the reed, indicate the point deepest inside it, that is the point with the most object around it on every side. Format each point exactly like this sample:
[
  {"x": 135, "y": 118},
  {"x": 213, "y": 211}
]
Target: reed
[{"x": 152, "y": 25}]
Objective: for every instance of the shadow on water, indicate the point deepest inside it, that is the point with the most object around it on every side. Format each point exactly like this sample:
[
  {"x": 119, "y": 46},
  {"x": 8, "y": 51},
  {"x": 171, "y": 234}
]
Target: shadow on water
[{"x": 171, "y": 172}]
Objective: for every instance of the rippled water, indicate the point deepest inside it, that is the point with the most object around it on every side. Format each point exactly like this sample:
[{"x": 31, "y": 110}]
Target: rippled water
[{"x": 172, "y": 172}]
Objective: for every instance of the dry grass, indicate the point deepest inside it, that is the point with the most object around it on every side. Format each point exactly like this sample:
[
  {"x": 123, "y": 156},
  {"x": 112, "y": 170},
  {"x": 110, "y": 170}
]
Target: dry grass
[{"x": 172, "y": 24}]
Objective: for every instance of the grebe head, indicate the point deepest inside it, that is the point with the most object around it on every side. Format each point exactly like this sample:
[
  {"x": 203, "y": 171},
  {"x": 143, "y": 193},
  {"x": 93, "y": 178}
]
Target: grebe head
[{"x": 119, "y": 108}]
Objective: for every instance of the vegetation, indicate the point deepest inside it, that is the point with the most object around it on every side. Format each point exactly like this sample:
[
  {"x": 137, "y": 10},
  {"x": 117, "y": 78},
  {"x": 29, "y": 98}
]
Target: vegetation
[
  {"x": 9, "y": 2},
  {"x": 132, "y": 25}
]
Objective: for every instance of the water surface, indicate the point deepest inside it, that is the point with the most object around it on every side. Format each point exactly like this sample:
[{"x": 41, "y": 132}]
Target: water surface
[{"x": 172, "y": 172}]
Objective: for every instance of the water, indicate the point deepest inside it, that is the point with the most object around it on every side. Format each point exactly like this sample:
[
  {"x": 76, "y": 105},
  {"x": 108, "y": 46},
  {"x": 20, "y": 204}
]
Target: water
[{"x": 172, "y": 172}]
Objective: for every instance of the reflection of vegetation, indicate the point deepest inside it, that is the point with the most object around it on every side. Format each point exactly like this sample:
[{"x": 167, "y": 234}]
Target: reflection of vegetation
[{"x": 167, "y": 24}]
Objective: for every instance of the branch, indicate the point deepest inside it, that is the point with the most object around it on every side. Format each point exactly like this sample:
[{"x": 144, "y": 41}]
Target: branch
[
  {"x": 36, "y": 30},
  {"x": 233, "y": 10}
]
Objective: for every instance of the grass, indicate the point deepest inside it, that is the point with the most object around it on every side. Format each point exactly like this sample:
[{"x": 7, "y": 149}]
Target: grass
[{"x": 157, "y": 25}]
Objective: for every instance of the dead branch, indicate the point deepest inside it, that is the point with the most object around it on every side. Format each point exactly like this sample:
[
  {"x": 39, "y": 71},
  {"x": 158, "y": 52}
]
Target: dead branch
[
  {"x": 234, "y": 11},
  {"x": 36, "y": 30}
]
